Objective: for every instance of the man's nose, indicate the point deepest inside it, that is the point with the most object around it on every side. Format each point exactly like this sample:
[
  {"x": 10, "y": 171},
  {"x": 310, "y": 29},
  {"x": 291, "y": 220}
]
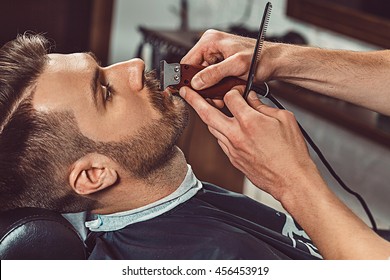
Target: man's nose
[{"x": 131, "y": 71}]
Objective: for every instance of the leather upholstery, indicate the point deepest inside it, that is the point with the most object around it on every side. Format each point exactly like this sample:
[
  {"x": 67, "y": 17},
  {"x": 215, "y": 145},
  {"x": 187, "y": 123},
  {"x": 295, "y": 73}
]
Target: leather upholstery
[{"x": 37, "y": 234}]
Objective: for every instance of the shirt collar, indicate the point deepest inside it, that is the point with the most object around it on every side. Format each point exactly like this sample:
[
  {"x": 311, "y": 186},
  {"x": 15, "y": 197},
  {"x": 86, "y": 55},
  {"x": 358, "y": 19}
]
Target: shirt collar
[{"x": 187, "y": 189}]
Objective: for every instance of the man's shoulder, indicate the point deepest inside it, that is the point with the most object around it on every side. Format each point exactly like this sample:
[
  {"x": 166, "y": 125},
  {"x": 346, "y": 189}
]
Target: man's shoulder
[
  {"x": 237, "y": 205},
  {"x": 178, "y": 237}
]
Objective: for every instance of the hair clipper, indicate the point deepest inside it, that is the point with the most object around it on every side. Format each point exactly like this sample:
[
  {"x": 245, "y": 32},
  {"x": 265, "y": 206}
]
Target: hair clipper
[{"x": 176, "y": 75}]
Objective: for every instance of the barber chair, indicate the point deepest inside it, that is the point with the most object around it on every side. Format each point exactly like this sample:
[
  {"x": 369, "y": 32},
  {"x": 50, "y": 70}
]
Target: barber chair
[{"x": 38, "y": 234}]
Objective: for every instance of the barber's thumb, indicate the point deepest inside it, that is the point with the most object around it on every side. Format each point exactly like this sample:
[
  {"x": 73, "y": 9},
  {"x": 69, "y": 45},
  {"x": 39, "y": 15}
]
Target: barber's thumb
[
  {"x": 208, "y": 77},
  {"x": 254, "y": 101}
]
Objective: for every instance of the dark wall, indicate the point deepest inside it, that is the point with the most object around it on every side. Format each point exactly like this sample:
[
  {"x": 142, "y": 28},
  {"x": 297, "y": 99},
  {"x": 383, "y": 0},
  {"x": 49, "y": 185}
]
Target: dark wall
[
  {"x": 67, "y": 22},
  {"x": 74, "y": 25}
]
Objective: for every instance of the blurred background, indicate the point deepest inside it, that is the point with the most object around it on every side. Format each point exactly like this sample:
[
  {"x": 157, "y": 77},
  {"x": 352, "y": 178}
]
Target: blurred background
[
  {"x": 355, "y": 141},
  {"x": 219, "y": 14}
]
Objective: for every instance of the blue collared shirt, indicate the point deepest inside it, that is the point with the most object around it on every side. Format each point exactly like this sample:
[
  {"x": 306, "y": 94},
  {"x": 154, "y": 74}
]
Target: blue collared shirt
[{"x": 187, "y": 189}]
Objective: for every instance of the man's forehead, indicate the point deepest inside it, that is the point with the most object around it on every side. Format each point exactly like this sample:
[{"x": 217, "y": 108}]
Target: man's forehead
[
  {"x": 64, "y": 73},
  {"x": 74, "y": 61}
]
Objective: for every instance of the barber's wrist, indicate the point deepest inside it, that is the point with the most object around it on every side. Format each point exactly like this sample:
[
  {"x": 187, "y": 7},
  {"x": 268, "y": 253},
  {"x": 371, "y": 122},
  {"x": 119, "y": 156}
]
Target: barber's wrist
[
  {"x": 269, "y": 65},
  {"x": 303, "y": 188}
]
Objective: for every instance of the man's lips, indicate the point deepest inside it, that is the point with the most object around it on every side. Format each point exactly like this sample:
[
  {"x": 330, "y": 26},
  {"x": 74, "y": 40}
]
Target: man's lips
[{"x": 169, "y": 91}]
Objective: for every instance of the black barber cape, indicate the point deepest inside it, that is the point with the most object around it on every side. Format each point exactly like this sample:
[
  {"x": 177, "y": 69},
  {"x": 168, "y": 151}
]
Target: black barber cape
[{"x": 214, "y": 224}]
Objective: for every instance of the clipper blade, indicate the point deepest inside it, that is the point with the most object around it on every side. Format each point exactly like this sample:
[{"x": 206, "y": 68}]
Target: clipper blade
[{"x": 170, "y": 74}]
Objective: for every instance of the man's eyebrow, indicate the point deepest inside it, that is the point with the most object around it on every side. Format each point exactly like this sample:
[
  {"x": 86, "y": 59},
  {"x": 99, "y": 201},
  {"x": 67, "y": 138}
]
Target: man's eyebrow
[
  {"x": 94, "y": 79},
  {"x": 94, "y": 83}
]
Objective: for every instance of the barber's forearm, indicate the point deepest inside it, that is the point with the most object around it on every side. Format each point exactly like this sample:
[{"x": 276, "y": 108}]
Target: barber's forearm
[
  {"x": 357, "y": 77},
  {"x": 335, "y": 230}
]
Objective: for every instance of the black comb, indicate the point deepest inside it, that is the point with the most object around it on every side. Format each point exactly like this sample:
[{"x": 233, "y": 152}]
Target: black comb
[{"x": 258, "y": 47}]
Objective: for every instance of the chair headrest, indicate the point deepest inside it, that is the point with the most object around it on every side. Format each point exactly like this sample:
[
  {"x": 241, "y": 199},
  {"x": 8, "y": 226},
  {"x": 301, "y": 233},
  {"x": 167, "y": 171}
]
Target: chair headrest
[{"x": 37, "y": 234}]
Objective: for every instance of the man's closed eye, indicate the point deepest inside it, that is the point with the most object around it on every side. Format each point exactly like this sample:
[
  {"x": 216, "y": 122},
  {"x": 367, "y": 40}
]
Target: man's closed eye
[{"x": 107, "y": 92}]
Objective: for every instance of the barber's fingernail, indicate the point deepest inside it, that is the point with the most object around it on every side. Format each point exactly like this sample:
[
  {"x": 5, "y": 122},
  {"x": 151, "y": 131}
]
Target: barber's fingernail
[
  {"x": 197, "y": 83},
  {"x": 182, "y": 92}
]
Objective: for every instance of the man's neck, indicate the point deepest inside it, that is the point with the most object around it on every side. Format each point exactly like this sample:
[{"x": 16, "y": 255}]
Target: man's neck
[{"x": 133, "y": 193}]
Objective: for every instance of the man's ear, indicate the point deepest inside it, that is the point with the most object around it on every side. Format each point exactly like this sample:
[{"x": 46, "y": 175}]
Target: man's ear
[{"x": 91, "y": 173}]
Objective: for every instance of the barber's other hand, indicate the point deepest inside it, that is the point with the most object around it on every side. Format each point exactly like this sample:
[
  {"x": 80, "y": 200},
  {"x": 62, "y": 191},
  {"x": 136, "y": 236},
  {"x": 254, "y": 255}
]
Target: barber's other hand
[
  {"x": 225, "y": 54},
  {"x": 264, "y": 143}
]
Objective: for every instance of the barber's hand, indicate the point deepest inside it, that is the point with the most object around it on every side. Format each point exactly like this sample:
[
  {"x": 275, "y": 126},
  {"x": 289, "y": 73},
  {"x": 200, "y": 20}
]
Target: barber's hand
[
  {"x": 225, "y": 54},
  {"x": 263, "y": 142}
]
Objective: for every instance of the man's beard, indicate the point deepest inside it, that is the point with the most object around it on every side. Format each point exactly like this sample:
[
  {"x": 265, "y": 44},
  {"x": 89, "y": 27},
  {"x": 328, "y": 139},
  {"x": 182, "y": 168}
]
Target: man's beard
[{"x": 153, "y": 146}]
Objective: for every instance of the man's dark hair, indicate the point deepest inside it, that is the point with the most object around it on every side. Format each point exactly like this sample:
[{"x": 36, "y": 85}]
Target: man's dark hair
[{"x": 28, "y": 162}]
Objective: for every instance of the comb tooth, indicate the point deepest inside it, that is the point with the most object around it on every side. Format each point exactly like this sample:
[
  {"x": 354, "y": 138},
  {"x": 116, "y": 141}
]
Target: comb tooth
[{"x": 267, "y": 15}]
